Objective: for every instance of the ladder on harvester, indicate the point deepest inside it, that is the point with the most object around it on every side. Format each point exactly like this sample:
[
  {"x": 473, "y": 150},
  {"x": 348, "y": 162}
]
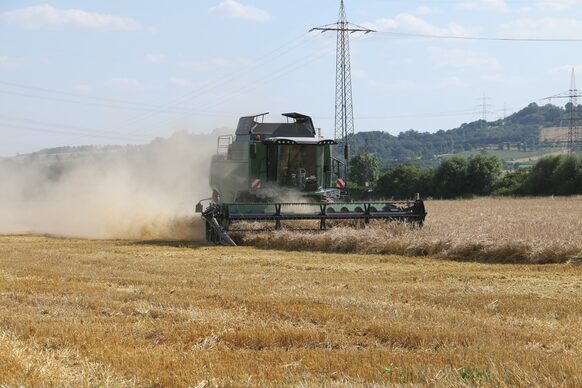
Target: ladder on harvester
[{"x": 223, "y": 143}]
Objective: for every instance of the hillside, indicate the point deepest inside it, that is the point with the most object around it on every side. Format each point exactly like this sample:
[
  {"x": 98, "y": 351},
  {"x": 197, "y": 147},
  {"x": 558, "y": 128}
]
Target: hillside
[
  {"x": 519, "y": 139},
  {"x": 516, "y": 137}
]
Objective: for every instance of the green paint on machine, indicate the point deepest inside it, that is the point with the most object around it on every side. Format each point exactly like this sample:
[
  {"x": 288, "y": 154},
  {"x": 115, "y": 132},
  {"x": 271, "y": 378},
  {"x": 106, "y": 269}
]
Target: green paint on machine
[{"x": 284, "y": 171}]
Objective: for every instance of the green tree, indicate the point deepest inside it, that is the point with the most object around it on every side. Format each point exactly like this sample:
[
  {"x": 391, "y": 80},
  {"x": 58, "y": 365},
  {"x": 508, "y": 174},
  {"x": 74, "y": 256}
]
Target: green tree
[
  {"x": 482, "y": 172},
  {"x": 404, "y": 180},
  {"x": 511, "y": 183},
  {"x": 567, "y": 177},
  {"x": 364, "y": 167},
  {"x": 539, "y": 181},
  {"x": 450, "y": 177}
]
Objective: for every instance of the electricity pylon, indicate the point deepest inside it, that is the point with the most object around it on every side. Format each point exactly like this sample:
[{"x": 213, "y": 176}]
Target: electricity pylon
[
  {"x": 344, "y": 110},
  {"x": 574, "y": 137}
]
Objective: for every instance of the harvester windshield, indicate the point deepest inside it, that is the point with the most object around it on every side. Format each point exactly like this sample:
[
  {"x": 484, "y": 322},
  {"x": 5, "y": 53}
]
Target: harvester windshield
[{"x": 299, "y": 166}]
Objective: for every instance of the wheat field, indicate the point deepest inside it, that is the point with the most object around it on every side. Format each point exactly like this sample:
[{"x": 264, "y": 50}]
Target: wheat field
[
  {"x": 499, "y": 230},
  {"x": 160, "y": 313}
]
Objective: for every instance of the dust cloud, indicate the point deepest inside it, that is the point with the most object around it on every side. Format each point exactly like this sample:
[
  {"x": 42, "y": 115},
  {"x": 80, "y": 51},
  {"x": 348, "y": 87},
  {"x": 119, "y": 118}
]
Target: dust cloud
[{"x": 133, "y": 192}]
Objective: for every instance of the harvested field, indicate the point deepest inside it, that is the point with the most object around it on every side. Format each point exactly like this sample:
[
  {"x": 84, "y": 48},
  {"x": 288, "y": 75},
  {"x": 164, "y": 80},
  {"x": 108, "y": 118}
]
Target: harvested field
[
  {"x": 554, "y": 135},
  {"x": 124, "y": 313},
  {"x": 500, "y": 230}
]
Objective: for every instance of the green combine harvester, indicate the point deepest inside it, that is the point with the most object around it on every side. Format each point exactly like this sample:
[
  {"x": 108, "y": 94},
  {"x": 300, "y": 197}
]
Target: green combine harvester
[{"x": 269, "y": 173}]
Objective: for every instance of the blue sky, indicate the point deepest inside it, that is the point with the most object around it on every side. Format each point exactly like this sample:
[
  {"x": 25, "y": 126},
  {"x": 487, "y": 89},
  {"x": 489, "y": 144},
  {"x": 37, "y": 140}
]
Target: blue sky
[{"x": 118, "y": 72}]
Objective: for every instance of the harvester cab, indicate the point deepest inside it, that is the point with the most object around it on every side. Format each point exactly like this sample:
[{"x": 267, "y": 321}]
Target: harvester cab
[
  {"x": 274, "y": 161},
  {"x": 284, "y": 171}
]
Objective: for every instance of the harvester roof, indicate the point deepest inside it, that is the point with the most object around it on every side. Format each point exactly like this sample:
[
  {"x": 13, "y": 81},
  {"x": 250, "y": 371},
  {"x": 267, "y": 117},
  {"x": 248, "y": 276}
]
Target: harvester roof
[{"x": 301, "y": 126}]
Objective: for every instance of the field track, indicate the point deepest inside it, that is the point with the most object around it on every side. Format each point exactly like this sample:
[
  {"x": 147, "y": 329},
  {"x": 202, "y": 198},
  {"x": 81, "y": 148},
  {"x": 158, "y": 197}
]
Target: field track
[{"x": 122, "y": 313}]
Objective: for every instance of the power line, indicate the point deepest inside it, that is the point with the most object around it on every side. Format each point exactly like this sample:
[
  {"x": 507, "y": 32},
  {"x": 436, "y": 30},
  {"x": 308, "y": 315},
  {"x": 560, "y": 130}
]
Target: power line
[
  {"x": 77, "y": 95},
  {"x": 259, "y": 62},
  {"x": 148, "y": 109},
  {"x": 460, "y": 37},
  {"x": 97, "y": 101},
  {"x": 466, "y": 112},
  {"x": 283, "y": 72},
  {"x": 429, "y": 115},
  {"x": 43, "y": 126},
  {"x": 69, "y": 101},
  {"x": 36, "y": 128}
]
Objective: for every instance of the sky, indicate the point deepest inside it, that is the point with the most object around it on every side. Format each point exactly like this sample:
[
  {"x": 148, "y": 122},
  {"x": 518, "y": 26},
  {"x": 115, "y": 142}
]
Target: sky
[{"x": 125, "y": 72}]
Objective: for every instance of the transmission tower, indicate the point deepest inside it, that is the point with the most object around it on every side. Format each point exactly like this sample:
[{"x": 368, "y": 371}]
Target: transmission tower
[
  {"x": 344, "y": 110},
  {"x": 573, "y": 130},
  {"x": 574, "y": 137},
  {"x": 483, "y": 108}
]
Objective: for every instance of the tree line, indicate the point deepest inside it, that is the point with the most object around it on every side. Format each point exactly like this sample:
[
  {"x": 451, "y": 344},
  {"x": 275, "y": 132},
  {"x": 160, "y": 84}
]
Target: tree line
[
  {"x": 481, "y": 175},
  {"x": 520, "y": 130}
]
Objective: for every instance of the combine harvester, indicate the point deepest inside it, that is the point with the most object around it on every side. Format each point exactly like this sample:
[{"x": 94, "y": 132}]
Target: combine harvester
[{"x": 269, "y": 173}]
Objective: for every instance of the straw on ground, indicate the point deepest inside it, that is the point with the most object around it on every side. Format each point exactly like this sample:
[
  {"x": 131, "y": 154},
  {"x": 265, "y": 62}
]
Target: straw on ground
[{"x": 122, "y": 313}]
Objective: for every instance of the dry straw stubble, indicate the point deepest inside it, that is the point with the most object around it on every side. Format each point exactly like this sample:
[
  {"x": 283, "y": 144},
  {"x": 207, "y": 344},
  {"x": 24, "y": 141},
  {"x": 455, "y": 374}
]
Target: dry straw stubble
[
  {"x": 121, "y": 313},
  {"x": 501, "y": 230}
]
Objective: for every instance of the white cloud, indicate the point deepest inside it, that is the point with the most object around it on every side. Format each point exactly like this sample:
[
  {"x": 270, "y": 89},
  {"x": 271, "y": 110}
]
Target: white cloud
[
  {"x": 566, "y": 69},
  {"x": 182, "y": 83},
  {"x": 212, "y": 63},
  {"x": 462, "y": 59},
  {"x": 235, "y": 10},
  {"x": 359, "y": 73},
  {"x": 124, "y": 83},
  {"x": 158, "y": 59},
  {"x": 82, "y": 89},
  {"x": 454, "y": 82},
  {"x": 408, "y": 23},
  {"x": 40, "y": 16},
  {"x": 542, "y": 28},
  {"x": 557, "y": 5},
  {"x": 484, "y": 5},
  {"x": 8, "y": 63},
  {"x": 483, "y": 82},
  {"x": 426, "y": 10},
  {"x": 401, "y": 86},
  {"x": 504, "y": 80}
]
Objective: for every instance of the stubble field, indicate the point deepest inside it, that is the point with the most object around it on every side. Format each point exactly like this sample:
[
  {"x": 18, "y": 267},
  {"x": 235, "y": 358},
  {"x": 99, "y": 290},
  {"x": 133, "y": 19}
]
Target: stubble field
[
  {"x": 167, "y": 313},
  {"x": 125, "y": 314},
  {"x": 490, "y": 230}
]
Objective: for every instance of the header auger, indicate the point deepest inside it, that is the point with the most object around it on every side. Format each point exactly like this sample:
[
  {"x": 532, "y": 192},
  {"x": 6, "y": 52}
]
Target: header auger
[{"x": 270, "y": 173}]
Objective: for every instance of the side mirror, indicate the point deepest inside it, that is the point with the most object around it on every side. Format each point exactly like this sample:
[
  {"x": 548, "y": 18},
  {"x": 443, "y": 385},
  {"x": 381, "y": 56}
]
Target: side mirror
[
  {"x": 252, "y": 151},
  {"x": 199, "y": 207}
]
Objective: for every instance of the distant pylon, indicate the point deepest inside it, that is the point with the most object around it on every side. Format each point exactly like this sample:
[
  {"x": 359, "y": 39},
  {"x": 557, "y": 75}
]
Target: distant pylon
[
  {"x": 573, "y": 130},
  {"x": 344, "y": 110},
  {"x": 574, "y": 137}
]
